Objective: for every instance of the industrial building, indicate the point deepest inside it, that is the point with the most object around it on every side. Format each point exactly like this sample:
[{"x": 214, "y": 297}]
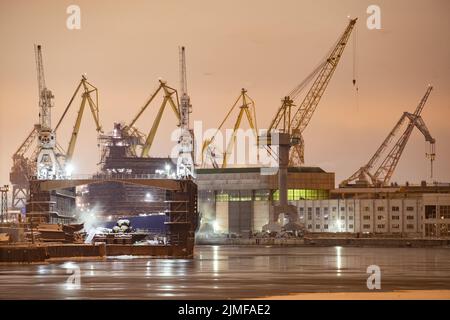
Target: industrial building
[
  {"x": 242, "y": 200},
  {"x": 238, "y": 200}
]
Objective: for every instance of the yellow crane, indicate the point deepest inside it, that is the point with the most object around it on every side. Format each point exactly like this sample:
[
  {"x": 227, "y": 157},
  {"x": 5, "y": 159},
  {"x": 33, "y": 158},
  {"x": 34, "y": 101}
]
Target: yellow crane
[
  {"x": 247, "y": 107},
  {"x": 87, "y": 90},
  {"x": 294, "y": 121},
  {"x": 171, "y": 98}
]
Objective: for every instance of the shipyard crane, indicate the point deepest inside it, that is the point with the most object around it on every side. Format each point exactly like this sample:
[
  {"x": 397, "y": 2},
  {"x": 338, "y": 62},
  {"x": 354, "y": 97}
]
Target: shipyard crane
[
  {"x": 23, "y": 167},
  {"x": 247, "y": 107},
  {"x": 47, "y": 163},
  {"x": 294, "y": 121},
  {"x": 185, "y": 160},
  {"x": 87, "y": 90},
  {"x": 382, "y": 175},
  {"x": 131, "y": 132}
]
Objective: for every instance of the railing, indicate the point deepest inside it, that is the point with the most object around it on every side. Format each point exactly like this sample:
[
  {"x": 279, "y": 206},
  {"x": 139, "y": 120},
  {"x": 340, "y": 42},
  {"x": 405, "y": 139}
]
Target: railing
[{"x": 113, "y": 176}]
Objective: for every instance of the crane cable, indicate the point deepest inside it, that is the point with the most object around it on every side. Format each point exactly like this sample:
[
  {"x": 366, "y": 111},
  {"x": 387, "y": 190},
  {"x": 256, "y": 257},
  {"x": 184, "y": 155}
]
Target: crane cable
[{"x": 355, "y": 66}]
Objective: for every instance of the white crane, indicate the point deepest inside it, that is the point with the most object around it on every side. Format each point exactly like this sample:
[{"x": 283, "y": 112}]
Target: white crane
[
  {"x": 47, "y": 164},
  {"x": 185, "y": 161}
]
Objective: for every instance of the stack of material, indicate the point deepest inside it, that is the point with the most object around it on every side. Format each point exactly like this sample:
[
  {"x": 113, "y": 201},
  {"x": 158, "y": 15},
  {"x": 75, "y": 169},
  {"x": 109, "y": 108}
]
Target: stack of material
[
  {"x": 47, "y": 232},
  {"x": 4, "y": 238}
]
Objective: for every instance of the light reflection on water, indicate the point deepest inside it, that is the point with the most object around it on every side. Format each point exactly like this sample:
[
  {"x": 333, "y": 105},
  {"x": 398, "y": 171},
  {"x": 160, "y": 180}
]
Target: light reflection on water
[{"x": 232, "y": 272}]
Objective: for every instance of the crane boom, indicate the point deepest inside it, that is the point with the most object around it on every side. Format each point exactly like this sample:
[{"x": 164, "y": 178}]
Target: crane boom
[
  {"x": 295, "y": 122},
  {"x": 387, "y": 167},
  {"x": 47, "y": 164},
  {"x": 185, "y": 160},
  {"x": 305, "y": 110},
  {"x": 88, "y": 89},
  {"x": 27, "y": 142},
  {"x": 45, "y": 95},
  {"x": 384, "y": 172},
  {"x": 247, "y": 107}
]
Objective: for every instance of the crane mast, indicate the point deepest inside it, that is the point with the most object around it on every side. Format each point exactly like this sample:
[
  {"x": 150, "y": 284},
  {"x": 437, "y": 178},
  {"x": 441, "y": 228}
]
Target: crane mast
[
  {"x": 294, "y": 122},
  {"x": 185, "y": 161},
  {"x": 384, "y": 172},
  {"x": 48, "y": 166}
]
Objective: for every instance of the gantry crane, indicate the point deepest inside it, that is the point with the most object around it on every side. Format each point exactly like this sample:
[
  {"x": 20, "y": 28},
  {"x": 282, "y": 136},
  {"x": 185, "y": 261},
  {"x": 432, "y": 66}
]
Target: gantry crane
[
  {"x": 247, "y": 107},
  {"x": 382, "y": 176},
  {"x": 294, "y": 122},
  {"x": 87, "y": 89},
  {"x": 130, "y": 131},
  {"x": 185, "y": 161}
]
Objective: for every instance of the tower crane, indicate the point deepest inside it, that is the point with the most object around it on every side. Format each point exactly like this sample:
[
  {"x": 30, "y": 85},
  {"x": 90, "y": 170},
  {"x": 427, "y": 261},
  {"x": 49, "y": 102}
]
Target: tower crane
[
  {"x": 87, "y": 89},
  {"x": 47, "y": 163},
  {"x": 293, "y": 122},
  {"x": 285, "y": 130},
  {"x": 383, "y": 174},
  {"x": 146, "y": 141},
  {"x": 247, "y": 107},
  {"x": 185, "y": 161}
]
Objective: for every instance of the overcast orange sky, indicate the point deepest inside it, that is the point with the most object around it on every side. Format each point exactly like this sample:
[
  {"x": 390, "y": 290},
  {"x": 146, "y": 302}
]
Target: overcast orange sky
[{"x": 265, "y": 46}]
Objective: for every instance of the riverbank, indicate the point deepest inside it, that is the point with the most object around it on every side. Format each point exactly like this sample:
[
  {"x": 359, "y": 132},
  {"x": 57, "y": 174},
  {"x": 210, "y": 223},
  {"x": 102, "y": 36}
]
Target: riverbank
[{"x": 330, "y": 242}]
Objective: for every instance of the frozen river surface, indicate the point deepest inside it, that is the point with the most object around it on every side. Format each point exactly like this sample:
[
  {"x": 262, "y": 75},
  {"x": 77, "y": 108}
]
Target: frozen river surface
[{"x": 221, "y": 272}]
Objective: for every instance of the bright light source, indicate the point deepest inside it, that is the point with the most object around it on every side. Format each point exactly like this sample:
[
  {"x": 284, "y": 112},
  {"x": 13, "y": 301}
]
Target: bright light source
[
  {"x": 215, "y": 225},
  {"x": 69, "y": 169},
  {"x": 167, "y": 167}
]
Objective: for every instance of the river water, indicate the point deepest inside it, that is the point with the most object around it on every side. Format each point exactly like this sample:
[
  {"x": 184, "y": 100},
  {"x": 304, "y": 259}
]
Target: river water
[{"x": 222, "y": 272}]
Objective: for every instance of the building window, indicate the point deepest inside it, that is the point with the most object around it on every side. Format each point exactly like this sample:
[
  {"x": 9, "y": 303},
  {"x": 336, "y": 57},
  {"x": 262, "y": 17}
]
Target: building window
[
  {"x": 309, "y": 226},
  {"x": 325, "y": 217},
  {"x": 395, "y": 208},
  {"x": 343, "y": 226},
  {"x": 380, "y": 226},
  {"x": 380, "y": 217},
  {"x": 301, "y": 209},
  {"x": 317, "y": 211},
  {"x": 343, "y": 218},
  {"x": 350, "y": 226},
  {"x": 409, "y": 226},
  {"x": 366, "y": 226},
  {"x": 395, "y": 217},
  {"x": 222, "y": 197},
  {"x": 303, "y": 194},
  {"x": 444, "y": 212},
  {"x": 366, "y": 208},
  {"x": 395, "y": 226},
  {"x": 262, "y": 195},
  {"x": 409, "y": 217},
  {"x": 342, "y": 208},
  {"x": 309, "y": 216},
  {"x": 409, "y": 208},
  {"x": 325, "y": 226},
  {"x": 334, "y": 209},
  {"x": 325, "y": 209},
  {"x": 380, "y": 209},
  {"x": 350, "y": 217},
  {"x": 317, "y": 226},
  {"x": 366, "y": 217},
  {"x": 350, "y": 209},
  {"x": 309, "y": 210},
  {"x": 430, "y": 212}
]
